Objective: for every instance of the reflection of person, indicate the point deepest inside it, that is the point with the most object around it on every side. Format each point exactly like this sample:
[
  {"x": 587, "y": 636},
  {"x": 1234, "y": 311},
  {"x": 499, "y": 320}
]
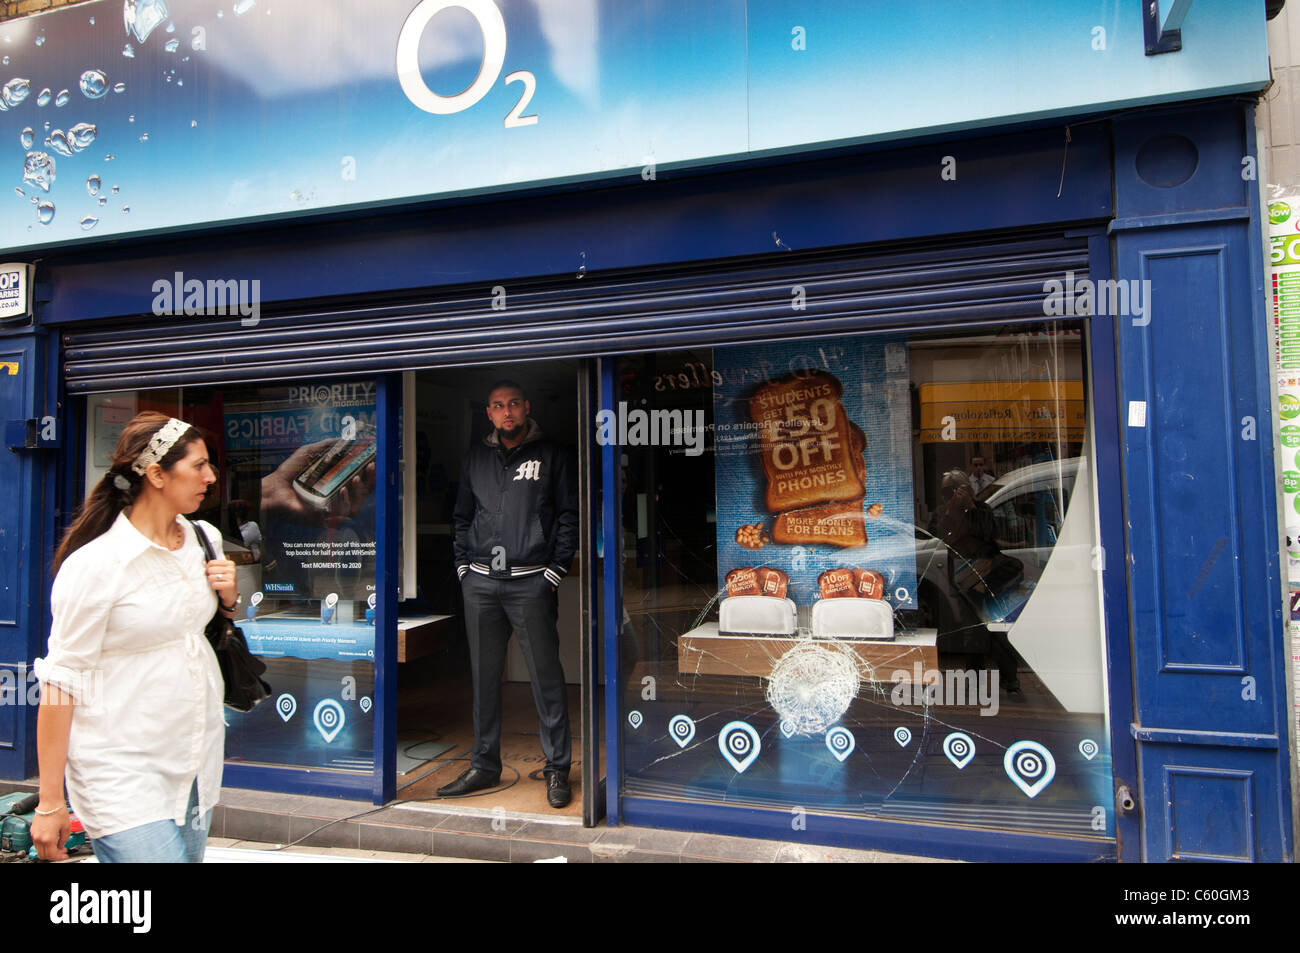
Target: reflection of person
[
  {"x": 979, "y": 478},
  {"x": 131, "y": 706},
  {"x": 976, "y": 566},
  {"x": 249, "y": 531},
  {"x": 516, "y": 532}
]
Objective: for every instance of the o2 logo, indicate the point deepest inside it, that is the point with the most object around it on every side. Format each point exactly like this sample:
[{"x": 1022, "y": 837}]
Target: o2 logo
[{"x": 493, "y": 26}]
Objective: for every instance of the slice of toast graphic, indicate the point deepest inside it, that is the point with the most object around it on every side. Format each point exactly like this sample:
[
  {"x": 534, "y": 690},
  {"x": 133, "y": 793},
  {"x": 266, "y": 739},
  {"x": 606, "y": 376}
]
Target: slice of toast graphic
[
  {"x": 807, "y": 442},
  {"x": 832, "y": 524}
]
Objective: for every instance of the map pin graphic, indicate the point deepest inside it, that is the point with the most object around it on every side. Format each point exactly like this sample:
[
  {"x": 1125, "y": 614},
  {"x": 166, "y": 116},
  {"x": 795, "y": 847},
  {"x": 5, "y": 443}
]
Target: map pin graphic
[
  {"x": 841, "y": 743},
  {"x": 370, "y": 600},
  {"x": 787, "y": 729},
  {"x": 286, "y": 705},
  {"x": 634, "y": 719},
  {"x": 1030, "y": 766},
  {"x": 681, "y": 729},
  {"x": 959, "y": 748},
  {"x": 365, "y": 704},
  {"x": 328, "y": 718},
  {"x": 903, "y": 736},
  {"x": 1088, "y": 748},
  {"x": 739, "y": 744}
]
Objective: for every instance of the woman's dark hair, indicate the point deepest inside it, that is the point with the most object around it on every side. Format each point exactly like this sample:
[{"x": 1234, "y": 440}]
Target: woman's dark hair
[{"x": 120, "y": 485}]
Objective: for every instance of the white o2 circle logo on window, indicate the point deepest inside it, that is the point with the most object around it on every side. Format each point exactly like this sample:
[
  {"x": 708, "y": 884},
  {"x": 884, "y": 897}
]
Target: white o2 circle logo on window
[{"x": 493, "y": 26}]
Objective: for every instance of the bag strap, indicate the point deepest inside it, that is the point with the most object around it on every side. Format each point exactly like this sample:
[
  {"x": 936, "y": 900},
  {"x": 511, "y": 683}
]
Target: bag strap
[{"x": 208, "y": 554}]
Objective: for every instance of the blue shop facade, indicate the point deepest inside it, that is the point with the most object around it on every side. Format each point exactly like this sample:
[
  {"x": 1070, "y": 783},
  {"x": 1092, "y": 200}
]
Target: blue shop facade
[{"x": 917, "y": 365}]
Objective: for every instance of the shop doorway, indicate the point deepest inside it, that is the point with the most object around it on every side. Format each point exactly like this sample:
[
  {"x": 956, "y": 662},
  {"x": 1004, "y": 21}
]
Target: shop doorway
[{"x": 435, "y": 731}]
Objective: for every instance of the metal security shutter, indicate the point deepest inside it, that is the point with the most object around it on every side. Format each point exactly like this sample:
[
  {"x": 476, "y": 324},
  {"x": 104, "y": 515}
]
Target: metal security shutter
[{"x": 654, "y": 309}]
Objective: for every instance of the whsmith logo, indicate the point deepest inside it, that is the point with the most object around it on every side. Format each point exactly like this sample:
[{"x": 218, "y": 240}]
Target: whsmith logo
[
  {"x": 217, "y": 296},
  {"x": 77, "y": 906}
]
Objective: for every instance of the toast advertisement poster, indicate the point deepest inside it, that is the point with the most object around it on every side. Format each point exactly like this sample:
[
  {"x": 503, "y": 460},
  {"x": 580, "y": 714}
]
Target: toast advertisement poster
[{"x": 814, "y": 467}]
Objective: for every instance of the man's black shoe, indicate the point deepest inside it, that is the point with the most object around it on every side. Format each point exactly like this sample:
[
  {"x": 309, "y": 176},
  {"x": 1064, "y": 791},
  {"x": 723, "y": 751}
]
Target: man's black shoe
[
  {"x": 472, "y": 780},
  {"x": 557, "y": 790}
]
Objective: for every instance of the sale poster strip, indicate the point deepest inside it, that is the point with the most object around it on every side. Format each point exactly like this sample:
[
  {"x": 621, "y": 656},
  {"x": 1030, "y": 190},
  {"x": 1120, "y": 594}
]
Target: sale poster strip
[{"x": 814, "y": 463}]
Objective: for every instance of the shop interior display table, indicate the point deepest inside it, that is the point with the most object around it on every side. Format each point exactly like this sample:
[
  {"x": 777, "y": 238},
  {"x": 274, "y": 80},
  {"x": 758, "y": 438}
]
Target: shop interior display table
[
  {"x": 423, "y": 635},
  {"x": 280, "y": 634},
  {"x": 705, "y": 651}
]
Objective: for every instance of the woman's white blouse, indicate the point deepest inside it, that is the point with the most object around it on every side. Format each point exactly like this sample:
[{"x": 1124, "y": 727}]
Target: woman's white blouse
[{"x": 127, "y": 642}]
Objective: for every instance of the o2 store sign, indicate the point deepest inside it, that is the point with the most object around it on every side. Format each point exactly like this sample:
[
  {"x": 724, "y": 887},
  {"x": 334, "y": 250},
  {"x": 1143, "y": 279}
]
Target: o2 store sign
[
  {"x": 15, "y": 290},
  {"x": 493, "y": 26}
]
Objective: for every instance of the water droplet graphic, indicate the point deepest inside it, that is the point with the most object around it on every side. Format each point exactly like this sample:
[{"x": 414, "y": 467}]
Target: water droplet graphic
[
  {"x": 88, "y": 223},
  {"x": 116, "y": 189},
  {"x": 172, "y": 46},
  {"x": 38, "y": 168},
  {"x": 40, "y": 41},
  {"x": 43, "y": 97},
  {"x": 180, "y": 82},
  {"x": 62, "y": 98},
  {"x": 45, "y": 212},
  {"x": 94, "y": 184},
  {"x": 171, "y": 27},
  {"x": 27, "y": 137},
  {"x": 19, "y": 190},
  {"x": 119, "y": 88},
  {"x": 82, "y": 135},
  {"x": 125, "y": 209},
  {"x": 47, "y": 126},
  {"x": 142, "y": 16},
  {"x": 128, "y": 51},
  {"x": 15, "y": 91},
  {"x": 145, "y": 137},
  {"x": 35, "y": 200},
  {"x": 110, "y": 157},
  {"x": 103, "y": 200},
  {"x": 243, "y": 6},
  {"x": 219, "y": 14},
  {"x": 58, "y": 141},
  {"x": 92, "y": 21},
  {"x": 94, "y": 84},
  {"x": 5, "y": 61},
  {"x": 194, "y": 124},
  {"x": 131, "y": 118}
]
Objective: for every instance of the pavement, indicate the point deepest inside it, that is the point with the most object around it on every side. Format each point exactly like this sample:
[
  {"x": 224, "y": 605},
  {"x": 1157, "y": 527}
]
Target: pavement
[{"x": 265, "y": 827}]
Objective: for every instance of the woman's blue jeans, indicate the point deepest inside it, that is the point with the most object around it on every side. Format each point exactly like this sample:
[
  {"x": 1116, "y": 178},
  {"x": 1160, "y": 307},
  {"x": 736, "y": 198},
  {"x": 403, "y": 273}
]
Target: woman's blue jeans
[{"x": 160, "y": 842}]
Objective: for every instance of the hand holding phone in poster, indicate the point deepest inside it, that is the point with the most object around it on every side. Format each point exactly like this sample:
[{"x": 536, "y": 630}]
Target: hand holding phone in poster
[{"x": 323, "y": 480}]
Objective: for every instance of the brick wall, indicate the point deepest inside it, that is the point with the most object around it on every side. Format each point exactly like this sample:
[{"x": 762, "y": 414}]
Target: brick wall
[{"x": 20, "y": 8}]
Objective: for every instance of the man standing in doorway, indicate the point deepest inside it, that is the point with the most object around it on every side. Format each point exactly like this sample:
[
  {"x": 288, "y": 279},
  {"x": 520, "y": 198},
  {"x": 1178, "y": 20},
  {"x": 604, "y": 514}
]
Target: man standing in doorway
[{"x": 516, "y": 532}]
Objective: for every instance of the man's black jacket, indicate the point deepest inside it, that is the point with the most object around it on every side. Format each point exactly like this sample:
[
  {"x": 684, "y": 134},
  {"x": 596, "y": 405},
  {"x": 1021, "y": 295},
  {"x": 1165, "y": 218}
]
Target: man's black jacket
[{"x": 517, "y": 510}]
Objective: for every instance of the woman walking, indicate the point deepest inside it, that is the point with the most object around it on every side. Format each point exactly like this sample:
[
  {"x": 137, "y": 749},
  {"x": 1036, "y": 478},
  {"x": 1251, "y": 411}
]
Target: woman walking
[{"x": 131, "y": 692}]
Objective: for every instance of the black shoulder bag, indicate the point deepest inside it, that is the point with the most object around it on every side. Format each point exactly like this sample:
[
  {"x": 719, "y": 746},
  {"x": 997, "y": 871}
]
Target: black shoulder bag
[{"x": 241, "y": 671}]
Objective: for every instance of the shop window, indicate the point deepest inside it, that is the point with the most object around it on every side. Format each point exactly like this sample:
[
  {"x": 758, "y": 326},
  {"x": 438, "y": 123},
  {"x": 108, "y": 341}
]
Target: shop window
[
  {"x": 827, "y": 609},
  {"x": 295, "y": 505}
]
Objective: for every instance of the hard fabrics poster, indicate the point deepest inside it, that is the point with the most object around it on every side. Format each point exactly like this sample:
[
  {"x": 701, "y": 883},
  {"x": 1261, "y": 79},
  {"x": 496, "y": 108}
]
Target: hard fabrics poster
[
  {"x": 307, "y": 456},
  {"x": 814, "y": 464}
]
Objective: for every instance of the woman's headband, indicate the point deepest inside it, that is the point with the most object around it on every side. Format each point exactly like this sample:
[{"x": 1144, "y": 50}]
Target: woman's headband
[{"x": 159, "y": 444}]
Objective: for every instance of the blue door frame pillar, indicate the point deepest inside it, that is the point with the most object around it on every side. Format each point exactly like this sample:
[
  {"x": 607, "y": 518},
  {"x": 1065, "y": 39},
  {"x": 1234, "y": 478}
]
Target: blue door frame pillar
[
  {"x": 1200, "y": 491},
  {"x": 27, "y": 512}
]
